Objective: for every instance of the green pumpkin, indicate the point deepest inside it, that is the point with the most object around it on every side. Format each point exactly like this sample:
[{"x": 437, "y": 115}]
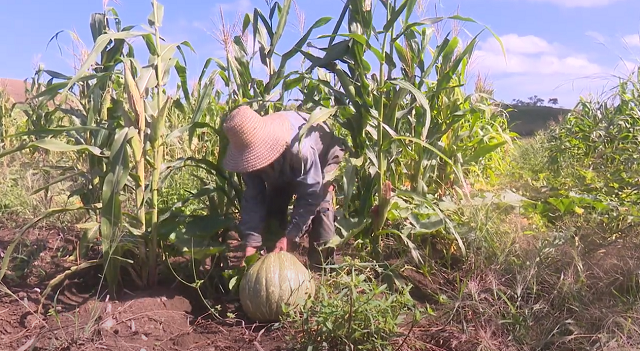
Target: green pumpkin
[{"x": 275, "y": 279}]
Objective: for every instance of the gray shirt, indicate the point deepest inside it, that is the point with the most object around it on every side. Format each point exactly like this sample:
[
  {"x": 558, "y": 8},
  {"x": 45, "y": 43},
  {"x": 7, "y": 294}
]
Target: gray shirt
[{"x": 302, "y": 166}]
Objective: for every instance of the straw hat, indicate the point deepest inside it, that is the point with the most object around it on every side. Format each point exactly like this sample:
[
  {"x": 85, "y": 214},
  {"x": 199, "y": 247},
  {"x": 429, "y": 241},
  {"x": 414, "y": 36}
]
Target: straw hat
[{"x": 254, "y": 141}]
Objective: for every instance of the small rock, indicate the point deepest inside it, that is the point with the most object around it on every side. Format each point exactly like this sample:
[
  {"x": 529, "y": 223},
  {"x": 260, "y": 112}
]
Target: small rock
[
  {"x": 108, "y": 323},
  {"x": 31, "y": 320}
]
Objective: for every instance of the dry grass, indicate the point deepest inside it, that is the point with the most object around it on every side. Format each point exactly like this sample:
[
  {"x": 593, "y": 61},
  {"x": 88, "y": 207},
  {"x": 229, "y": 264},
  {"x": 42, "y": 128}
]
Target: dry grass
[{"x": 549, "y": 291}]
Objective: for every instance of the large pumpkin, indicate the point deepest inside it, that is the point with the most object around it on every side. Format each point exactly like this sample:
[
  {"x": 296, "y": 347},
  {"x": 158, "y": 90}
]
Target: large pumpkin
[{"x": 275, "y": 279}]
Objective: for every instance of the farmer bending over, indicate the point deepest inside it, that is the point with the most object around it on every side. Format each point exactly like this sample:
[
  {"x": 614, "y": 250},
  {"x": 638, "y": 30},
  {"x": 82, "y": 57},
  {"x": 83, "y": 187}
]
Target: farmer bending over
[{"x": 276, "y": 165}]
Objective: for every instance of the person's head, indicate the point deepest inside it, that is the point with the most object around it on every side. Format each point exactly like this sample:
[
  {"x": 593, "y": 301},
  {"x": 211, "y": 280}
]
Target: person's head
[{"x": 254, "y": 141}]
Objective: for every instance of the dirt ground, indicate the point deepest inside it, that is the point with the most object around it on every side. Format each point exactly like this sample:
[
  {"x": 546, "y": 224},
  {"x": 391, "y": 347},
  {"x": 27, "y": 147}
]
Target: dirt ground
[{"x": 170, "y": 317}]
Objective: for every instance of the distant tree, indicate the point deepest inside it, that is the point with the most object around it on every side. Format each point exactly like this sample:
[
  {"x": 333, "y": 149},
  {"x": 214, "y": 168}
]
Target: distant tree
[
  {"x": 518, "y": 102},
  {"x": 536, "y": 101}
]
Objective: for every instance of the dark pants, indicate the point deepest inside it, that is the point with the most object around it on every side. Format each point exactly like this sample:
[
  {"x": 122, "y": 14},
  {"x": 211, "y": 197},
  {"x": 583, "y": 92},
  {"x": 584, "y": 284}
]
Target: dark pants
[{"x": 321, "y": 230}]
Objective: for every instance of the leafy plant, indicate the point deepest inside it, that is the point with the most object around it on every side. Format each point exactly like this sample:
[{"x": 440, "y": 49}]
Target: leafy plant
[
  {"x": 116, "y": 130},
  {"x": 413, "y": 133},
  {"x": 410, "y": 137},
  {"x": 590, "y": 159},
  {"x": 351, "y": 309}
]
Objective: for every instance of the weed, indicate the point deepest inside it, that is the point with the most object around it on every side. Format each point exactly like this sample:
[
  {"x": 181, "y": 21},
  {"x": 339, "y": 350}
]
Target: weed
[{"x": 352, "y": 310}]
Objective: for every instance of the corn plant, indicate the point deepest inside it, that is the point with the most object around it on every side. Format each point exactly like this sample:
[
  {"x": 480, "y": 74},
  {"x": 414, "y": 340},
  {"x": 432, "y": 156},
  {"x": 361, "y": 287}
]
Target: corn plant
[
  {"x": 601, "y": 134},
  {"x": 591, "y": 163},
  {"x": 5, "y": 113},
  {"x": 241, "y": 87},
  {"x": 117, "y": 131},
  {"x": 410, "y": 135},
  {"x": 397, "y": 125}
]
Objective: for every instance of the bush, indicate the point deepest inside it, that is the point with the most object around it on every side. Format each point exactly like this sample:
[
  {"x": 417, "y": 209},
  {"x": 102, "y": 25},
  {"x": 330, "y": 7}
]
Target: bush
[{"x": 352, "y": 308}]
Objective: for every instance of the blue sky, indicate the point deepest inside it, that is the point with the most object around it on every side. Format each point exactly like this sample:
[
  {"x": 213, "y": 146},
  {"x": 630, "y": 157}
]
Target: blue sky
[{"x": 555, "y": 48}]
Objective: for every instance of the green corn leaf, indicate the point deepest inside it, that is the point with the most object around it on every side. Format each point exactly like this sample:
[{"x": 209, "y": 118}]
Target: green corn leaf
[
  {"x": 258, "y": 15},
  {"x": 484, "y": 150},
  {"x": 53, "y": 145},
  {"x": 184, "y": 84},
  {"x": 283, "y": 15},
  {"x": 336, "y": 28},
  {"x": 335, "y": 52},
  {"x": 203, "y": 101},
  {"x": 97, "y": 25},
  {"x": 146, "y": 79},
  {"x": 99, "y": 45},
  {"x": 421, "y": 99},
  {"x": 55, "y": 131},
  {"x": 320, "y": 115},
  {"x": 411, "y": 4},
  {"x": 298, "y": 46},
  {"x": 203, "y": 72},
  {"x": 111, "y": 214},
  {"x": 191, "y": 126},
  {"x": 157, "y": 14},
  {"x": 395, "y": 14},
  {"x": 56, "y": 75}
]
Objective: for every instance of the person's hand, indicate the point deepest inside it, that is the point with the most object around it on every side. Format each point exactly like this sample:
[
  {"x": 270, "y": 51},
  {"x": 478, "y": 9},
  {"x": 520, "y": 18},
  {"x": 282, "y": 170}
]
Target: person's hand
[
  {"x": 248, "y": 251},
  {"x": 284, "y": 244}
]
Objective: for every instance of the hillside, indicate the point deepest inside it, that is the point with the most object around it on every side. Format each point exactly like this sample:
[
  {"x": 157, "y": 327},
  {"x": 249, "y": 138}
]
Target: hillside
[
  {"x": 13, "y": 88},
  {"x": 526, "y": 120}
]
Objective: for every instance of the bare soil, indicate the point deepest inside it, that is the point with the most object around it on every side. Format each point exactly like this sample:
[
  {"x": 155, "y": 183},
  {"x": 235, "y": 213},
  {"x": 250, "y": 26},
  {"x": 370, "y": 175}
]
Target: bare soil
[
  {"x": 169, "y": 317},
  {"x": 76, "y": 315}
]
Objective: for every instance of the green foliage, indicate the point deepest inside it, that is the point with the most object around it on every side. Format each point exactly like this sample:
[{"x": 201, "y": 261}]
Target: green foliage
[
  {"x": 352, "y": 309},
  {"x": 587, "y": 164},
  {"x": 109, "y": 139},
  {"x": 148, "y": 165},
  {"x": 144, "y": 169},
  {"x": 409, "y": 134}
]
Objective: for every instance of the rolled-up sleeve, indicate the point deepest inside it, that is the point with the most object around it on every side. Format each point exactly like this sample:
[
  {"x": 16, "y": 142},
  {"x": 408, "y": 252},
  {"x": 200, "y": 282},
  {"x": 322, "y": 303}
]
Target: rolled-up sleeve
[
  {"x": 252, "y": 210},
  {"x": 308, "y": 193}
]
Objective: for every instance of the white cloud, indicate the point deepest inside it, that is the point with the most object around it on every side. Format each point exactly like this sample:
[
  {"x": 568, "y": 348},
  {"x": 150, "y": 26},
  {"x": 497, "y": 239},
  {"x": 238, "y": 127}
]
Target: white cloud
[
  {"x": 631, "y": 40},
  {"x": 240, "y": 6},
  {"x": 535, "y": 66},
  {"x": 531, "y": 54},
  {"x": 580, "y": 3}
]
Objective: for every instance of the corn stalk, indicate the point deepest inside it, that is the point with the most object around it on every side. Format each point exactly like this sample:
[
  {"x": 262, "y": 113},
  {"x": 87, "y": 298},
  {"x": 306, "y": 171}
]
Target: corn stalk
[
  {"x": 117, "y": 133},
  {"x": 410, "y": 135}
]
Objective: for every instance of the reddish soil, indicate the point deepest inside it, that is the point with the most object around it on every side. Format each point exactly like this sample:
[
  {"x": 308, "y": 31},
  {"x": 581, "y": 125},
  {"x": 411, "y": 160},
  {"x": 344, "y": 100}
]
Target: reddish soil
[{"x": 169, "y": 317}]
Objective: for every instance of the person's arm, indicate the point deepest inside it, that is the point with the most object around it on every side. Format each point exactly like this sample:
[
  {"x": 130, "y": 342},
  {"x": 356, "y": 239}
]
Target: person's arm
[
  {"x": 252, "y": 210},
  {"x": 308, "y": 193}
]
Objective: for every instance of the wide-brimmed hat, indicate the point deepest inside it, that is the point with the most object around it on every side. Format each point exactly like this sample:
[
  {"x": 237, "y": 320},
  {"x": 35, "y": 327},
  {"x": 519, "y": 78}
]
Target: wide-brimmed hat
[{"x": 254, "y": 141}]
